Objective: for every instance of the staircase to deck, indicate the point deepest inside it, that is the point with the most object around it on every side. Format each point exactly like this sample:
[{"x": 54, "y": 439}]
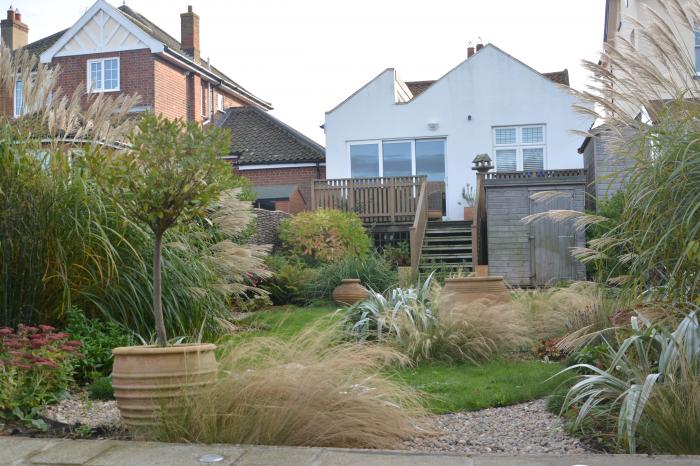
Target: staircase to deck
[{"x": 447, "y": 248}]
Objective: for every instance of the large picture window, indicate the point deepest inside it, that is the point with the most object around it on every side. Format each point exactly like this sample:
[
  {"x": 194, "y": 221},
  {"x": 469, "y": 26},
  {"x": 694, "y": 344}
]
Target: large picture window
[
  {"x": 398, "y": 158},
  {"x": 519, "y": 148},
  {"x": 364, "y": 160},
  {"x": 103, "y": 75}
]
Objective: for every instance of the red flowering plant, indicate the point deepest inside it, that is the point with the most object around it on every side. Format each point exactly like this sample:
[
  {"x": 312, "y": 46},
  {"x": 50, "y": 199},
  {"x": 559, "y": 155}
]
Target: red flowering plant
[{"x": 35, "y": 368}]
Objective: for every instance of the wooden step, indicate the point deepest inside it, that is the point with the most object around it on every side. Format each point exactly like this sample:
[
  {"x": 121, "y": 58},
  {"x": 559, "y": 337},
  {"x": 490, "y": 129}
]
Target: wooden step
[
  {"x": 447, "y": 238},
  {"x": 446, "y": 247},
  {"x": 448, "y": 231},
  {"x": 427, "y": 257}
]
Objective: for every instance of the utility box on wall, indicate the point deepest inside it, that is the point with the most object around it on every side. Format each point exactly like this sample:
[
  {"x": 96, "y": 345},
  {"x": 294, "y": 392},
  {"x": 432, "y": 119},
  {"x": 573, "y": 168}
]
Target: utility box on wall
[{"x": 539, "y": 253}]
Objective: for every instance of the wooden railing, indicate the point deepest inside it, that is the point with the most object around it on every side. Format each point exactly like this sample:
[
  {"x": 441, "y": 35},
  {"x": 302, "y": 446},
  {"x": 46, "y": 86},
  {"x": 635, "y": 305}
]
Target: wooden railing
[
  {"x": 417, "y": 230},
  {"x": 375, "y": 200}
]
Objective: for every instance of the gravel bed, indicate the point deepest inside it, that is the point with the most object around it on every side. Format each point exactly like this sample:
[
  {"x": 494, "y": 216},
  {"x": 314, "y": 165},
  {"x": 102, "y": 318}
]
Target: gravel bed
[
  {"x": 527, "y": 428},
  {"x": 78, "y": 410}
]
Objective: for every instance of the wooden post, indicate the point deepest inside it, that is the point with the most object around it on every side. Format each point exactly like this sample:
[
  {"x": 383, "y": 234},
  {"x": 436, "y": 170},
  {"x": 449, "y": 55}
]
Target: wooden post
[
  {"x": 313, "y": 195},
  {"x": 481, "y": 164},
  {"x": 392, "y": 200},
  {"x": 351, "y": 195}
]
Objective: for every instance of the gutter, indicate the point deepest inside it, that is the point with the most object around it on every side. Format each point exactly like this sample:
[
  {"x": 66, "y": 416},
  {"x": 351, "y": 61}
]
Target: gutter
[{"x": 187, "y": 63}]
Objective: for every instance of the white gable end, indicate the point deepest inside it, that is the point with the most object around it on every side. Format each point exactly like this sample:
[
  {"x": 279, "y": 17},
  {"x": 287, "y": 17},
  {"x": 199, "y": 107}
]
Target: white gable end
[
  {"x": 101, "y": 29},
  {"x": 101, "y": 34}
]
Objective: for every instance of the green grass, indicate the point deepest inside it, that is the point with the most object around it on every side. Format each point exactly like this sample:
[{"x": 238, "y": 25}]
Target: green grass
[
  {"x": 284, "y": 321},
  {"x": 459, "y": 387},
  {"x": 450, "y": 388}
]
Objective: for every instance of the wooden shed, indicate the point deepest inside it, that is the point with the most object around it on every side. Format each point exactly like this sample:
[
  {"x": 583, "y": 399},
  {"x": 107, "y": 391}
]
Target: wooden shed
[{"x": 535, "y": 254}]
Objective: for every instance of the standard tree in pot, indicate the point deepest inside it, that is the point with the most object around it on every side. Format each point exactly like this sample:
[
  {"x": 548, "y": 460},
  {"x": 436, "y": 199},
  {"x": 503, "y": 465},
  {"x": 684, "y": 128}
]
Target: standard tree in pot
[{"x": 170, "y": 173}]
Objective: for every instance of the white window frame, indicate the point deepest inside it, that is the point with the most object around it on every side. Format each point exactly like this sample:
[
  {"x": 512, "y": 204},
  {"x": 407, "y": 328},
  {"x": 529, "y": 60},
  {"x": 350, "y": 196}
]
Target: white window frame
[
  {"x": 15, "y": 113},
  {"x": 380, "y": 152},
  {"x": 696, "y": 40},
  {"x": 519, "y": 145},
  {"x": 102, "y": 68},
  {"x": 220, "y": 102}
]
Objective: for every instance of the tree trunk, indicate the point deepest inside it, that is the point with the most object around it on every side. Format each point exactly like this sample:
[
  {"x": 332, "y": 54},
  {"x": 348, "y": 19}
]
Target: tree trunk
[{"x": 157, "y": 301}]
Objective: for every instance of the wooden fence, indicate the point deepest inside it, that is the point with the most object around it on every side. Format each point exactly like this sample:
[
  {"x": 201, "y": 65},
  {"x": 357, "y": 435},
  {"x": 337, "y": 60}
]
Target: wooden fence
[{"x": 375, "y": 200}]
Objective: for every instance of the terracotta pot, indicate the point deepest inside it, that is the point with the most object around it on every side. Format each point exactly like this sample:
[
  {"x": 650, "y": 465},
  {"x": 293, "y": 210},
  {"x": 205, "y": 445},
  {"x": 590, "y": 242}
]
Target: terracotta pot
[
  {"x": 149, "y": 379},
  {"x": 468, "y": 289},
  {"x": 469, "y": 213},
  {"x": 349, "y": 292}
]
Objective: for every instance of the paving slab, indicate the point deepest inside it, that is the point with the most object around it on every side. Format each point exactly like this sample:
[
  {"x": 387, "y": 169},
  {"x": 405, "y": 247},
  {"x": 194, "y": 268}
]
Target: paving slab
[
  {"x": 74, "y": 452},
  {"x": 13, "y": 450},
  {"x": 19, "y": 451},
  {"x": 278, "y": 456},
  {"x": 164, "y": 454},
  {"x": 587, "y": 460},
  {"x": 383, "y": 458}
]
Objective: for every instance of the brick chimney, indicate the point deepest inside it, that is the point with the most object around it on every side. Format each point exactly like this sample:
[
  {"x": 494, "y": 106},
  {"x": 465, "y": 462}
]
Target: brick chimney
[
  {"x": 470, "y": 52},
  {"x": 189, "y": 33},
  {"x": 14, "y": 32},
  {"x": 479, "y": 46}
]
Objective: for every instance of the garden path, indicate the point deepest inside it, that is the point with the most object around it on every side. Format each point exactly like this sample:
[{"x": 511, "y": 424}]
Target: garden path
[{"x": 29, "y": 451}]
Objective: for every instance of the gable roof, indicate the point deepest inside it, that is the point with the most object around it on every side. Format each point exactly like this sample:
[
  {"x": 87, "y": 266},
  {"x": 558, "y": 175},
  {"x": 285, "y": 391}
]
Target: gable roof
[
  {"x": 259, "y": 138},
  {"x": 153, "y": 34},
  {"x": 417, "y": 87}
]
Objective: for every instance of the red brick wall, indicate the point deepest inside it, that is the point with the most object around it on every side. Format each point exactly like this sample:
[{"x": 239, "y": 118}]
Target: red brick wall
[
  {"x": 302, "y": 177},
  {"x": 136, "y": 71},
  {"x": 170, "y": 90}
]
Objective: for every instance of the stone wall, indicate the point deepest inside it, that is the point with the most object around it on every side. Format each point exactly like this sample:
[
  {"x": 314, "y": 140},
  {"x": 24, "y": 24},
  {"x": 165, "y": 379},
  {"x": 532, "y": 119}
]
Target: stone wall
[{"x": 268, "y": 222}]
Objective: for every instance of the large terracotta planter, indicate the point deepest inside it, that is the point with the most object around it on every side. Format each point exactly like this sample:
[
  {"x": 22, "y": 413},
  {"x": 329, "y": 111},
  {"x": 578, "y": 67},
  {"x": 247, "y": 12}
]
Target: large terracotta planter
[
  {"x": 468, "y": 289},
  {"x": 349, "y": 292},
  {"x": 149, "y": 379}
]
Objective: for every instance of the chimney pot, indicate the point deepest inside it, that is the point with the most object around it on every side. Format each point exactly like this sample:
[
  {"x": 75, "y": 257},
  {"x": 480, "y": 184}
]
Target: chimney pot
[
  {"x": 470, "y": 51},
  {"x": 479, "y": 46},
  {"x": 14, "y": 32}
]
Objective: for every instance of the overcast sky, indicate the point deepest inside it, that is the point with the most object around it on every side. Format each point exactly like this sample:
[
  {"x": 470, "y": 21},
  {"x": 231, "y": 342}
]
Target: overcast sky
[{"x": 306, "y": 56}]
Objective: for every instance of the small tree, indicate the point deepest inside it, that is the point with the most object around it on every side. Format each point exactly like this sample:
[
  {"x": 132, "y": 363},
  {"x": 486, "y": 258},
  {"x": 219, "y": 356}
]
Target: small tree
[{"x": 171, "y": 172}]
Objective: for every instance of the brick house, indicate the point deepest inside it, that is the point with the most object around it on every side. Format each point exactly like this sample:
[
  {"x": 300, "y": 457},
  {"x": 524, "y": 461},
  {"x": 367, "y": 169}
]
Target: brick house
[
  {"x": 279, "y": 160},
  {"x": 118, "y": 50}
]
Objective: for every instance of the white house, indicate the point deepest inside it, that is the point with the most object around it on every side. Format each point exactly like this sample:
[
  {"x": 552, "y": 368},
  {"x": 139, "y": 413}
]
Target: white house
[{"x": 490, "y": 103}]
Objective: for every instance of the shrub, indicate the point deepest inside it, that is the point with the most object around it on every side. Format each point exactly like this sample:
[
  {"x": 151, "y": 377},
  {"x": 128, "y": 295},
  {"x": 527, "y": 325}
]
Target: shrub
[
  {"x": 372, "y": 270},
  {"x": 290, "y": 280},
  {"x": 398, "y": 254},
  {"x": 324, "y": 236},
  {"x": 35, "y": 368},
  {"x": 101, "y": 389},
  {"x": 98, "y": 339},
  {"x": 428, "y": 324},
  {"x": 308, "y": 391},
  {"x": 651, "y": 359}
]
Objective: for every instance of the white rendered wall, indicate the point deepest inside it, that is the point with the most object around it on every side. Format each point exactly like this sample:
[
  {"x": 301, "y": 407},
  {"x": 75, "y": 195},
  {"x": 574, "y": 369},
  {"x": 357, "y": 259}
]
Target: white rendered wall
[{"x": 492, "y": 87}]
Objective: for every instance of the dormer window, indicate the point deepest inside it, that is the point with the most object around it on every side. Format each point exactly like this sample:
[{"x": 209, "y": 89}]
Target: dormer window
[{"x": 103, "y": 75}]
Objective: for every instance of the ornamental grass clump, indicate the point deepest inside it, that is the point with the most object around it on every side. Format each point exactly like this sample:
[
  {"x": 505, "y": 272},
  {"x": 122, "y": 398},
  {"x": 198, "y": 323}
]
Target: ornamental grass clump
[
  {"x": 429, "y": 324},
  {"x": 309, "y": 391}
]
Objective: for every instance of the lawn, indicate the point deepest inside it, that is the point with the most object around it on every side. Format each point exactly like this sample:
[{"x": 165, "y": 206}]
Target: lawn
[
  {"x": 450, "y": 387},
  {"x": 460, "y": 387}
]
